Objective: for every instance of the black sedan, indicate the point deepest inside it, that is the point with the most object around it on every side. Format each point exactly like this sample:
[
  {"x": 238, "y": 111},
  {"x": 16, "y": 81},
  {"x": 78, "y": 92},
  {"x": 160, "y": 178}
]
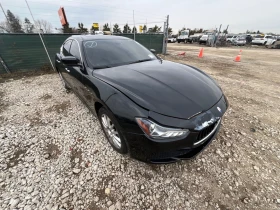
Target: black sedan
[{"x": 157, "y": 111}]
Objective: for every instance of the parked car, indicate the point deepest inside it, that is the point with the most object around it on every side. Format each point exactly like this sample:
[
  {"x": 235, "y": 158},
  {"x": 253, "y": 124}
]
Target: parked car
[
  {"x": 203, "y": 39},
  {"x": 230, "y": 38},
  {"x": 261, "y": 39},
  {"x": 272, "y": 40},
  {"x": 275, "y": 45},
  {"x": 98, "y": 32},
  {"x": 171, "y": 39},
  {"x": 240, "y": 41},
  {"x": 157, "y": 111},
  {"x": 193, "y": 38}
]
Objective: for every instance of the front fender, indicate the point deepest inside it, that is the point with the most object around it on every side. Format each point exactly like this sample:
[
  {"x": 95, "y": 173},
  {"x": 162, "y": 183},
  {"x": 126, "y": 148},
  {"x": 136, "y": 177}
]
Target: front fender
[{"x": 125, "y": 111}]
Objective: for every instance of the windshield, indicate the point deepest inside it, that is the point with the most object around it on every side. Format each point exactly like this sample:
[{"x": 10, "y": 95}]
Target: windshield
[
  {"x": 184, "y": 33},
  {"x": 109, "y": 53}
]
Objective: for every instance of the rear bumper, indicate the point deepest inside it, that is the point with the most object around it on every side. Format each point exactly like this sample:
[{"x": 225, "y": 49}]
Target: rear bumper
[
  {"x": 239, "y": 43},
  {"x": 257, "y": 42}
]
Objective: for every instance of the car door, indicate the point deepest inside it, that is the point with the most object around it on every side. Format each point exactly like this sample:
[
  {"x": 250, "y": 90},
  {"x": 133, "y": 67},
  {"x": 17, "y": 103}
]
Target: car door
[
  {"x": 64, "y": 51},
  {"x": 75, "y": 73}
]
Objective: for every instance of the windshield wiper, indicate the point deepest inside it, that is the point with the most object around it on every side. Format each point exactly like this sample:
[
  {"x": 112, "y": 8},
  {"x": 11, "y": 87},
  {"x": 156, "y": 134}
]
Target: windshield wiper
[{"x": 140, "y": 61}]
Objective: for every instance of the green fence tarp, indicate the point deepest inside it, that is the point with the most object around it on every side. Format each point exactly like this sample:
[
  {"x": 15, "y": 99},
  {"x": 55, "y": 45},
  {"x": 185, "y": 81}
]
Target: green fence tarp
[
  {"x": 150, "y": 41},
  {"x": 2, "y": 70},
  {"x": 25, "y": 52}
]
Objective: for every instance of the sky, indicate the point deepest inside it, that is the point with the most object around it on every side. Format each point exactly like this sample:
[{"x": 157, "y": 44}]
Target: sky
[{"x": 240, "y": 15}]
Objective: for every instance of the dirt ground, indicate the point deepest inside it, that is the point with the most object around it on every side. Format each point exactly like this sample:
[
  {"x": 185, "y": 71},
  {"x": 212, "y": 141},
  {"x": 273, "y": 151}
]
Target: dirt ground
[
  {"x": 252, "y": 124},
  {"x": 39, "y": 122}
]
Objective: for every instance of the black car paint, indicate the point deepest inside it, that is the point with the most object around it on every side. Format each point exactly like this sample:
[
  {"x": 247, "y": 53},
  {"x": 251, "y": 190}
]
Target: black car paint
[
  {"x": 171, "y": 94},
  {"x": 164, "y": 87}
]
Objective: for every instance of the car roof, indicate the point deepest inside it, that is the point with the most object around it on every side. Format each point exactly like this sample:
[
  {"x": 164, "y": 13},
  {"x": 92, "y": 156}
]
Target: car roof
[{"x": 96, "y": 37}]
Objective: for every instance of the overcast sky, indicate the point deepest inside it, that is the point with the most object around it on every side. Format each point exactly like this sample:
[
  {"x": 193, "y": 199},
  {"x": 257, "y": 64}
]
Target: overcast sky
[{"x": 240, "y": 15}]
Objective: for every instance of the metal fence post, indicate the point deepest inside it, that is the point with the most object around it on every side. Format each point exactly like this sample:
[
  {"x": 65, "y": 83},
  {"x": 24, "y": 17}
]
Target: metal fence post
[
  {"x": 4, "y": 65},
  {"x": 164, "y": 38}
]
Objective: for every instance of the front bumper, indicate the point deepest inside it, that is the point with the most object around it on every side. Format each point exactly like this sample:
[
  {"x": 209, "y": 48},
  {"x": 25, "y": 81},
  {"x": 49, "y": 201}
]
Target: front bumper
[
  {"x": 147, "y": 150},
  {"x": 167, "y": 151}
]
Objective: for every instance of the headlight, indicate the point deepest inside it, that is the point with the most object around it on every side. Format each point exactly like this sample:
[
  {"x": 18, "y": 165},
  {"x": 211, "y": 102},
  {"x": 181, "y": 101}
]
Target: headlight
[{"x": 156, "y": 131}]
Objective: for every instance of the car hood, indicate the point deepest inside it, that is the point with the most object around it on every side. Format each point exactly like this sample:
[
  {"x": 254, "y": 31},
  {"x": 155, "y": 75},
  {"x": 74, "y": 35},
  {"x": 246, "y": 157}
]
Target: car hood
[{"x": 165, "y": 87}]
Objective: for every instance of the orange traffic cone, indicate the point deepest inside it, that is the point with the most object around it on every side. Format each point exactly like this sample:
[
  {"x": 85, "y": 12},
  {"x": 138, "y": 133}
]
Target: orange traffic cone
[
  {"x": 182, "y": 53},
  {"x": 238, "y": 58},
  {"x": 200, "y": 55}
]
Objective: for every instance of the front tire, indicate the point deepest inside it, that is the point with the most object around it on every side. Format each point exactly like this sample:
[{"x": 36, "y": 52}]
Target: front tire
[{"x": 112, "y": 130}]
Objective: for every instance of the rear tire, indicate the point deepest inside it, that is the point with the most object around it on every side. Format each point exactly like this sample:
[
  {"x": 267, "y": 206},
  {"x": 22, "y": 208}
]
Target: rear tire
[{"x": 112, "y": 130}]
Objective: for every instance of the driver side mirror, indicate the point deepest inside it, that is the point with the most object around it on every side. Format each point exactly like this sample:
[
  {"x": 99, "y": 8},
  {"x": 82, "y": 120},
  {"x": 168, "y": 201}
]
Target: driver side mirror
[
  {"x": 153, "y": 51},
  {"x": 71, "y": 61}
]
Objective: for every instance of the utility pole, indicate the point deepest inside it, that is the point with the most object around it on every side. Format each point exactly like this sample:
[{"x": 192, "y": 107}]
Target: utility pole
[
  {"x": 167, "y": 24},
  {"x": 163, "y": 41},
  {"x": 165, "y": 35},
  {"x": 134, "y": 26}
]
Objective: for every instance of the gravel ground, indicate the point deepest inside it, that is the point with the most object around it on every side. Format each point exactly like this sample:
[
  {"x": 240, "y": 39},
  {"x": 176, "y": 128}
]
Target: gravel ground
[{"x": 53, "y": 154}]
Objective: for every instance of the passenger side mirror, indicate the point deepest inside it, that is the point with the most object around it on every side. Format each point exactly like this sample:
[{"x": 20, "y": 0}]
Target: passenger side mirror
[
  {"x": 153, "y": 51},
  {"x": 70, "y": 60}
]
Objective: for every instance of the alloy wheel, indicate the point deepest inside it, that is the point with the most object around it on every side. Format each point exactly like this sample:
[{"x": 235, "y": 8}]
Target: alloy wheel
[{"x": 111, "y": 131}]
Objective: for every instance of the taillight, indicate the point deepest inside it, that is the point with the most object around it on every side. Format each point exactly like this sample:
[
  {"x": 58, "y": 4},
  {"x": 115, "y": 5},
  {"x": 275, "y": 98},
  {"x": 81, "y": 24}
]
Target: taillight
[{"x": 261, "y": 38}]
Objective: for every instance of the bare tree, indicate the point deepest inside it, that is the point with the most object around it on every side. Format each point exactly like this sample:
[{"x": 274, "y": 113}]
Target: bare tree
[
  {"x": 43, "y": 25},
  {"x": 4, "y": 27}
]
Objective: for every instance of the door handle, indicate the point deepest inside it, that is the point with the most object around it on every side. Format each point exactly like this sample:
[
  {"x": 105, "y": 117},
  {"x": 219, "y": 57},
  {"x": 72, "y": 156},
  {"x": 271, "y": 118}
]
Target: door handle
[
  {"x": 58, "y": 61},
  {"x": 67, "y": 69}
]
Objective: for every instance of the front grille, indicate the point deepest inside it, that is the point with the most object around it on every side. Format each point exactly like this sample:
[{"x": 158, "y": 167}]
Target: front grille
[{"x": 206, "y": 131}]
